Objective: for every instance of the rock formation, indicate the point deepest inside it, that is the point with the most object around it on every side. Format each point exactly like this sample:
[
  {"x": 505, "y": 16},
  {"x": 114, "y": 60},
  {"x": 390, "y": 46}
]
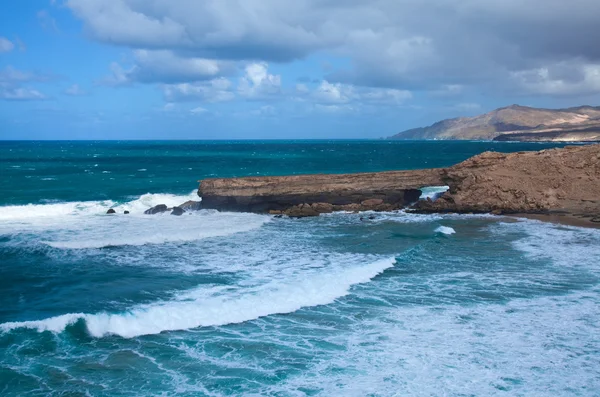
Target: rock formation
[
  {"x": 177, "y": 211},
  {"x": 157, "y": 209},
  {"x": 303, "y": 195},
  {"x": 550, "y": 181},
  {"x": 191, "y": 205},
  {"x": 556, "y": 180}
]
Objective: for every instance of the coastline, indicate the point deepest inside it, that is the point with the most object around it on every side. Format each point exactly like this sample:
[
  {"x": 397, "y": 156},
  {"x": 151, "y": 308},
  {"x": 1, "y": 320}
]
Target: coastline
[
  {"x": 556, "y": 185},
  {"x": 560, "y": 219}
]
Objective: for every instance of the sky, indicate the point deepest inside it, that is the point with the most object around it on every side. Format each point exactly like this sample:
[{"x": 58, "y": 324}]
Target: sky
[{"x": 285, "y": 69}]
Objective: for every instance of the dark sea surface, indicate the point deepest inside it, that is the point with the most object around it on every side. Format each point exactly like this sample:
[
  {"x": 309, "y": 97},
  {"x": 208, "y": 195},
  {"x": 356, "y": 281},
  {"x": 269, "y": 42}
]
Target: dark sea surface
[{"x": 238, "y": 304}]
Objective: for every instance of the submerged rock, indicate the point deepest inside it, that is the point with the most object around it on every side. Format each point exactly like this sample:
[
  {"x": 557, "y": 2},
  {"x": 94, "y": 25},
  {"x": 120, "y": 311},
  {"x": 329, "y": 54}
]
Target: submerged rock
[
  {"x": 177, "y": 211},
  {"x": 156, "y": 209},
  {"x": 190, "y": 205},
  {"x": 111, "y": 211}
]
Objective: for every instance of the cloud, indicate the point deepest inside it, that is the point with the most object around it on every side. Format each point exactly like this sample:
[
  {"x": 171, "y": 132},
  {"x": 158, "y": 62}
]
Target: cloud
[
  {"x": 257, "y": 83},
  {"x": 12, "y": 84},
  {"x": 46, "y": 21},
  {"x": 162, "y": 66},
  {"x": 118, "y": 77},
  {"x": 560, "y": 79},
  {"x": 6, "y": 45},
  {"x": 216, "y": 90},
  {"x": 339, "y": 93},
  {"x": 75, "y": 90},
  {"x": 397, "y": 44},
  {"x": 198, "y": 110}
]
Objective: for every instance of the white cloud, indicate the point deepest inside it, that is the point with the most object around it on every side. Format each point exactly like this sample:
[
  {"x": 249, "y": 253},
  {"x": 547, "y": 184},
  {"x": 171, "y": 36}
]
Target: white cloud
[
  {"x": 257, "y": 83},
  {"x": 563, "y": 78},
  {"x": 198, "y": 110},
  {"x": 6, "y": 45},
  {"x": 20, "y": 93},
  {"x": 338, "y": 93},
  {"x": 12, "y": 88},
  {"x": 118, "y": 76},
  {"x": 75, "y": 90},
  {"x": 404, "y": 44},
  {"x": 47, "y": 22},
  {"x": 216, "y": 90},
  {"x": 165, "y": 66}
]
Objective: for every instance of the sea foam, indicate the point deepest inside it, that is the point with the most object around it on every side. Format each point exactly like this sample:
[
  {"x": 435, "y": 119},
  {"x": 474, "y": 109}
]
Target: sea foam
[
  {"x": 278, "y": 297},
  {"x": 83, "y": 225}
]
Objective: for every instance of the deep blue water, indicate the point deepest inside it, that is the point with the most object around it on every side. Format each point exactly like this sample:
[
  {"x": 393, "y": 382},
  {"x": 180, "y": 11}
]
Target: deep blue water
[{"x": 225, "y": 304}]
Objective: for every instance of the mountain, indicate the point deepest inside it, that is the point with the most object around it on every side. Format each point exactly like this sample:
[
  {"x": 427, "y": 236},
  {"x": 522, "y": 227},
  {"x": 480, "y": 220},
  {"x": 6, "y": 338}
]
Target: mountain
[{"x": 518, "y": 123}]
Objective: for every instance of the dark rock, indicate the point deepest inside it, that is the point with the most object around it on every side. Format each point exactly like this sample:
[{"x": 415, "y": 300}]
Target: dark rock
[
  {"x": 301, "y": 211},
  {"x": 177, "y": 211},
  {"x": 595, "y": 219},
  {"x": 278, "y": 216},
  {"x": 111, "y": 211},
  {"x": 191, "y": 205},
  {"x": 156, "y": 209},
  {"x": 126, "y": 212}
]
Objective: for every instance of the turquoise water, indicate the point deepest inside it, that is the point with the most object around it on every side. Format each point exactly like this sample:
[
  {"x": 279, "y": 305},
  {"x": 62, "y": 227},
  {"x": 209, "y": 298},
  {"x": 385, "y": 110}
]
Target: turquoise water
[{"x": 226, "y": 304}]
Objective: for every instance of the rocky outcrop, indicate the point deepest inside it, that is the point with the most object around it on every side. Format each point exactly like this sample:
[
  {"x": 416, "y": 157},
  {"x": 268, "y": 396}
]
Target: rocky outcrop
[
  {"x": 111, "y": 211},
  {"x": 546, "y": 182},
  {"x": 157, "y": 209},
  {"x": 191, "y": 205},
  {"x": 557, "y": 180},
  {"x": 177, "y": 211},
  {"x": 309, "y": 195}
]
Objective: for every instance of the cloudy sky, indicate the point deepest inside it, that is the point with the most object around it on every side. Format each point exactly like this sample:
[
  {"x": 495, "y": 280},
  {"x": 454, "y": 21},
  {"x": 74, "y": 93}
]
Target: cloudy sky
[{"x": 229, "y": 69}]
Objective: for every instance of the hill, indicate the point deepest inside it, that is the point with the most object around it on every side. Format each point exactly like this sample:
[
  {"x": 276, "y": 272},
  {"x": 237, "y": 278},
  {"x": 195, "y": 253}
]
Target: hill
[{"x": 516, "y": 123}]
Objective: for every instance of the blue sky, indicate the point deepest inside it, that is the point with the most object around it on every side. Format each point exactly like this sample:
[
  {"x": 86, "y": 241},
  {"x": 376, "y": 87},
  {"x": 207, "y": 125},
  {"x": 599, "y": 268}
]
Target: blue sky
[{"x": 281, "y": 69}]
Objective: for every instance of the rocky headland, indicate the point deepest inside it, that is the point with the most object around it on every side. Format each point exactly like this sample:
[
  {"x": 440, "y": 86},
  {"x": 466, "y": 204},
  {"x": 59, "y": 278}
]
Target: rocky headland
[
  {"x": 516, "y": 123},
  {"x": 557, "y": 182}
]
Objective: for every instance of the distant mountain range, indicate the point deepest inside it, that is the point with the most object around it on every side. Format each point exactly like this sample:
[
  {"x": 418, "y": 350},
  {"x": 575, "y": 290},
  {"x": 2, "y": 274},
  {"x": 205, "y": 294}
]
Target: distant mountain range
[{"x": 516, "y": 123}]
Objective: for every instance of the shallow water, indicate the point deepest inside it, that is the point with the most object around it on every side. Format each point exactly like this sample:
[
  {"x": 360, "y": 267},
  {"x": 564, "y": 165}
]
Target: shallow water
[{"x": 222, "y": 304}]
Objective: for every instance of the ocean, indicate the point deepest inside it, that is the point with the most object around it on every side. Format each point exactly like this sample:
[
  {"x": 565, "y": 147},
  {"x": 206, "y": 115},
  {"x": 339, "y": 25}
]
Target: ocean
[{"x": 240, "y": 304}]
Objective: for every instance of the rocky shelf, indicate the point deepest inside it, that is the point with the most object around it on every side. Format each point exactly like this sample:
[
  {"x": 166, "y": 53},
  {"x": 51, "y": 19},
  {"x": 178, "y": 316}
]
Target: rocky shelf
[{"x": 555, "y": 181}]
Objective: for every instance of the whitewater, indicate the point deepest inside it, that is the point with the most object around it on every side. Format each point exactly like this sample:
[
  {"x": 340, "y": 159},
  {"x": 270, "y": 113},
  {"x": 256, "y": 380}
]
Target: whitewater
[{"x": 226, "y": 304}]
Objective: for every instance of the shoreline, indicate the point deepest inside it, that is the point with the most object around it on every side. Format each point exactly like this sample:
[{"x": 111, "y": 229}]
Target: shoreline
[{"x": 560, "y": 219}]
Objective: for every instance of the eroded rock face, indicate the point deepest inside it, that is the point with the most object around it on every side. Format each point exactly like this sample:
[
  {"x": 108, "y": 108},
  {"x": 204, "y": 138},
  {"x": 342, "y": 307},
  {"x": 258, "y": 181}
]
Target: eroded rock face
[
  {"x": 526, "y": 182},
  {"x": 156, "y": 209},
  {"x": 374, "y": 191}
]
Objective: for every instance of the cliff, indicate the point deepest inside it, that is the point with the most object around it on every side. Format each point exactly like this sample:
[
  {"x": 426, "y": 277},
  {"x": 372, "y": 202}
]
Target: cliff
[
  {"x": 555, "y": 181},
  {"x": 381, "y": 191},
  {"x": 549, "y": 181},
  {"x": 516, "y": 123}
]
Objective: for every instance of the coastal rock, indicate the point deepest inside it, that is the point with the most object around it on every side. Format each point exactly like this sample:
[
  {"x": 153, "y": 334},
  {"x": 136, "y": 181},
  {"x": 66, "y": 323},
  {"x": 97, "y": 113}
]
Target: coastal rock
[
  {"x": 191, "y": 205},
  {"x": 111, "y": 211},
  {"x": 177, "y": 211},
  {"x": 525, "y": 182},
  {"x": 301, "y": 211},
  {"x": 126, "y": 212},
  {"x": 325, "y": 193},
  {"x": 156, "y": 209}
]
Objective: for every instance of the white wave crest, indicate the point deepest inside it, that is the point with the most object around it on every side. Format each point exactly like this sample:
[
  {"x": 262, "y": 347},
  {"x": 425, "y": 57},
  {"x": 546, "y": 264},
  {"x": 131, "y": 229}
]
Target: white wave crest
[
  {"x": 82, "y": 225},
  {"x": 433, "y": 192},
  {"x": 140, "y": 204},
  {"x": 445, "y": 230},
  {"x": 319, "y": 288}
]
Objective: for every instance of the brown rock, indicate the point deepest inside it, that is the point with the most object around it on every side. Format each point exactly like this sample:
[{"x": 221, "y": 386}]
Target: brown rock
[{"x": 371, "y": 202}]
